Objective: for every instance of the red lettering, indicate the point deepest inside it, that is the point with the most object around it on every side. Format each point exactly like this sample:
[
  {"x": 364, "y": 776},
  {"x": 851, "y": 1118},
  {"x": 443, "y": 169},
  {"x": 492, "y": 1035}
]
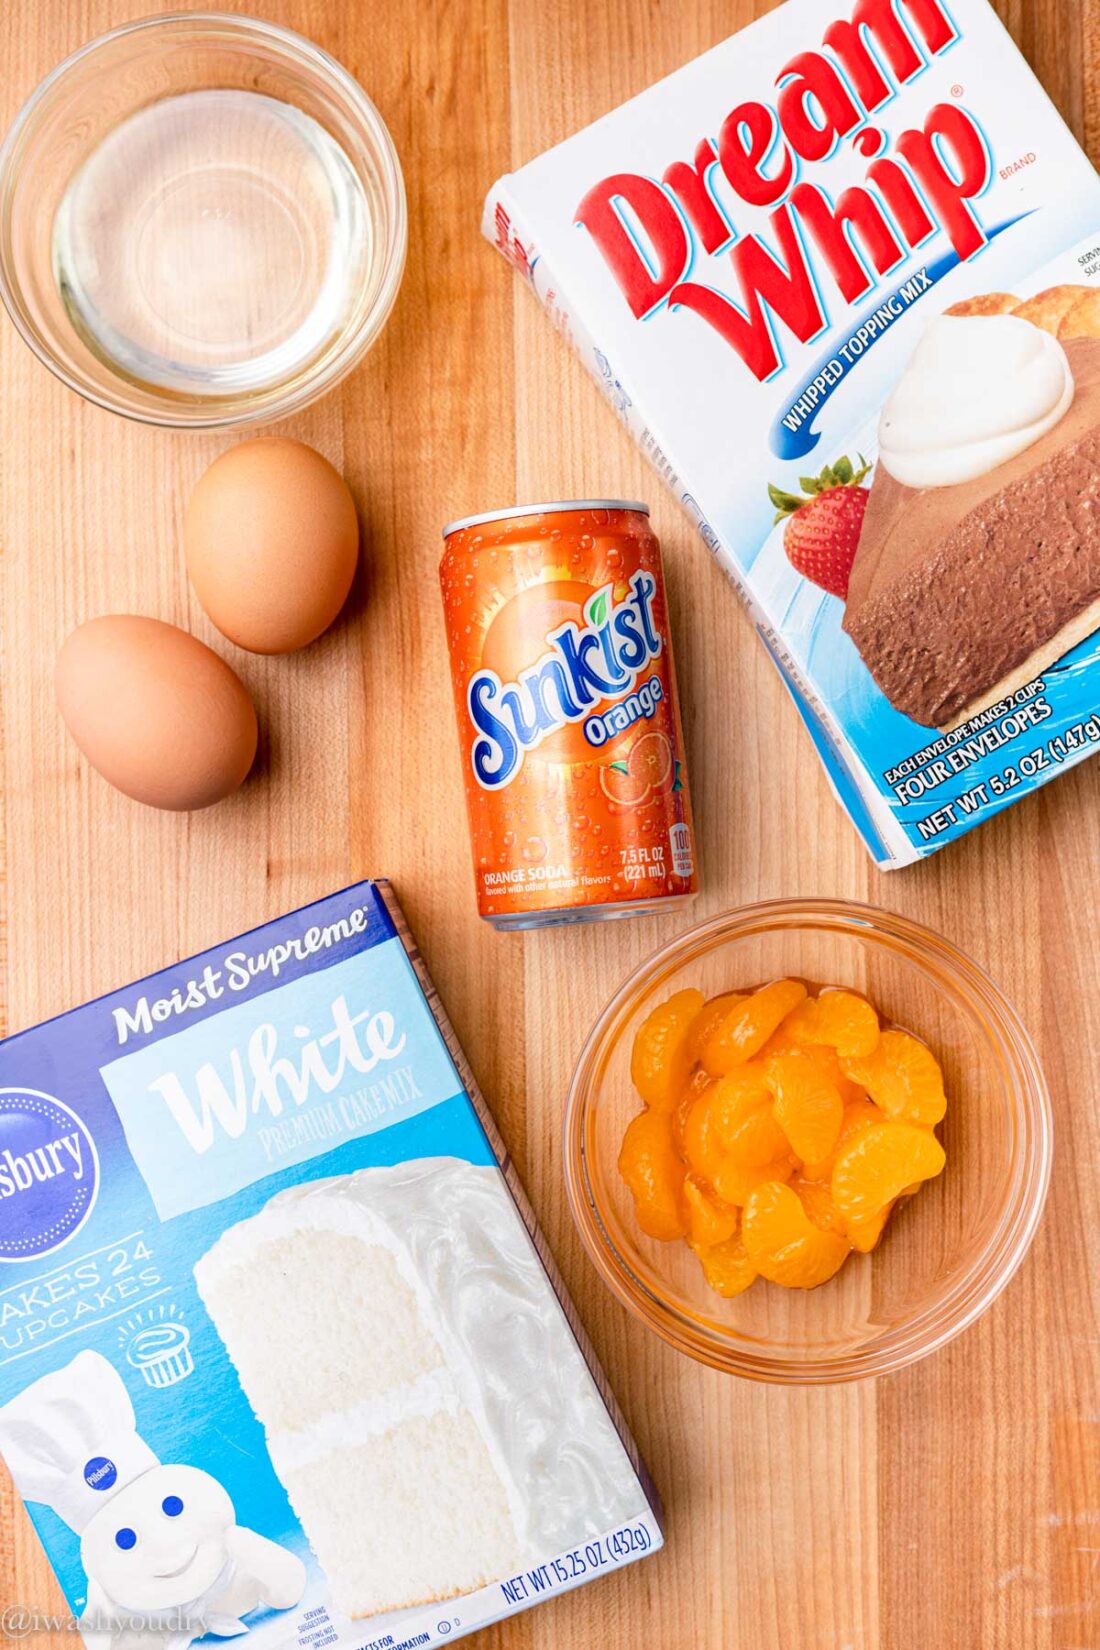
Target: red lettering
[
  {"x": 662, "y": 226},
  {"x": 746, "y": 140},
  {"x": 905, "y": 205},
  {"x": 950, "y": 134},
  {"x": 828, "y": 226},
  {"x": 816, "y": 78},
  {"x": 645, "y": 231},
  {"x": 787, "y": 291},
  {"x": 894, "y": 42},
  {"x": 688, "y": 183}
]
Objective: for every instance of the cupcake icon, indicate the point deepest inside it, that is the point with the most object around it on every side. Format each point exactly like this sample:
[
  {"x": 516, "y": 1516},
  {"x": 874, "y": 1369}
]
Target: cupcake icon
[{"x": 159, "y": 1347}]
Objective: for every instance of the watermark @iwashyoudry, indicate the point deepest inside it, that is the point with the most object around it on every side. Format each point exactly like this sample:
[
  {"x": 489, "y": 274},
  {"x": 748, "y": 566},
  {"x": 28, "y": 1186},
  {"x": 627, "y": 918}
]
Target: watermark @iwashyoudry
[{"x": 20, "y": 1621}]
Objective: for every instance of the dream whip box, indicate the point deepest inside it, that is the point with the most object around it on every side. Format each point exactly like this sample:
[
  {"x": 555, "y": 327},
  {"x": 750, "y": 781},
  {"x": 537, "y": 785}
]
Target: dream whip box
[
  {"x": 281, "y": 1352},
  {"x": 840, "y": 277}
]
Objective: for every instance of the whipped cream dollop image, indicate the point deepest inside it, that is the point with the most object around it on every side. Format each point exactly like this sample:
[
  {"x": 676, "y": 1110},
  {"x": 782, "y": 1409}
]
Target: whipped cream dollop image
[{"x": 978, "y": 390}]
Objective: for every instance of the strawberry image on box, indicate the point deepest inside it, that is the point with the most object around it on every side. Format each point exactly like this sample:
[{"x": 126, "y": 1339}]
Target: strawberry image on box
[
  {"x": 840, "y": 277},
  {"x": 824, "y": 523}
]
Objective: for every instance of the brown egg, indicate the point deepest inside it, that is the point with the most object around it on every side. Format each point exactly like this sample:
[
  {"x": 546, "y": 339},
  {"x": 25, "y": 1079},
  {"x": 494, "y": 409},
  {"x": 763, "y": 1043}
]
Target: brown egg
[
  {"x": 272, "y": 541},
  {"x": 159, "y": 715}
]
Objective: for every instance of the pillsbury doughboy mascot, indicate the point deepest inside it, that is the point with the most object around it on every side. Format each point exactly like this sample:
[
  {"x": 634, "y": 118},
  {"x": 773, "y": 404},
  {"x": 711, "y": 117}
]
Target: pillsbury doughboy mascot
[{"x": 165, "y": 1559}]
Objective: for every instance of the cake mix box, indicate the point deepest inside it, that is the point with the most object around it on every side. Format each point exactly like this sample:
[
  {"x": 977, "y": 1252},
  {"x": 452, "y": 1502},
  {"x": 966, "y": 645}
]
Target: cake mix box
[
  {"x": 281, "y": 1353},
  {"x": 840, "y": 277}
]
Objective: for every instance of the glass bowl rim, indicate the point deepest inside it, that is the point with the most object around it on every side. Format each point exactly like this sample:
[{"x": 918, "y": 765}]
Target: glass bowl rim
[
  {"x": 1003, "y": 1251},
  {"x": 227, "y": 412}
]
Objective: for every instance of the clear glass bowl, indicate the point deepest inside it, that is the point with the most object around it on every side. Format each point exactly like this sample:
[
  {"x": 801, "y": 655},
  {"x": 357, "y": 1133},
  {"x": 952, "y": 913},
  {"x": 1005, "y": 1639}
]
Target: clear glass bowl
[
  {"x": 946, "y": 1254},
  {"x": 307, "y": 198}
]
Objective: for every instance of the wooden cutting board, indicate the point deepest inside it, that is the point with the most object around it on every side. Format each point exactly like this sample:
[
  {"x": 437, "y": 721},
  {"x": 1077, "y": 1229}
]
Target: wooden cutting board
[{"x": 953, "y": 1507}]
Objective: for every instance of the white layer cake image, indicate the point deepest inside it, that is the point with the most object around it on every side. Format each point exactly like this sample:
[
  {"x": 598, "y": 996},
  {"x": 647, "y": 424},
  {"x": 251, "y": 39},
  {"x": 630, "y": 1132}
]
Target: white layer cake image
[{"x": 425, "y": 1403}]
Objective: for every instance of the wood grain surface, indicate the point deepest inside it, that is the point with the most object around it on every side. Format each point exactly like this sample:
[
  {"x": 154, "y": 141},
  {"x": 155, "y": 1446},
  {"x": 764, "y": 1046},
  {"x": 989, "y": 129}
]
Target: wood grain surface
[{"x": 953, "y": 1507}]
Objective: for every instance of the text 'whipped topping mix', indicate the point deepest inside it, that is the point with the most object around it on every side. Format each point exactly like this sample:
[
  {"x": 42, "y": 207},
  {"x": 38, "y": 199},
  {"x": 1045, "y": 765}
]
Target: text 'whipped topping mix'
[
  {"x": 841, "y": 279},
  {"x": 279, "y": 1353}
]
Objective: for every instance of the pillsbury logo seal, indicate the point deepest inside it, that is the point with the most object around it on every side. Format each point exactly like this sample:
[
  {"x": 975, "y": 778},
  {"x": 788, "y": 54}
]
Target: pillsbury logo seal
[
  {"x": 49, "y": 1174},
  {"x": 100, "y": 1473}
]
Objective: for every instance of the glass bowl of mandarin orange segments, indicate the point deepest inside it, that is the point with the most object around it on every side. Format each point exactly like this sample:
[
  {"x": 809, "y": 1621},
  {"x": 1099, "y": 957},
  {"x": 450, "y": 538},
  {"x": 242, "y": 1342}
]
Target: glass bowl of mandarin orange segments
[{"x": 808, "y": 1142}]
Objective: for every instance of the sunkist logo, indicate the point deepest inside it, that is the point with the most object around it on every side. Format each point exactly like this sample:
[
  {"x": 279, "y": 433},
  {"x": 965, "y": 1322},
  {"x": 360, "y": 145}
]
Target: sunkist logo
[
  {"x": 648, "y": 232},
  {"x": 583, "y": 666}
]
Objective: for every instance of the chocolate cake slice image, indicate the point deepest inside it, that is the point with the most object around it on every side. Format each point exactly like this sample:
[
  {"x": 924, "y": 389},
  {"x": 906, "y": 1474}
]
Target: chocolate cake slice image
[{"x": 964, "y": 590}]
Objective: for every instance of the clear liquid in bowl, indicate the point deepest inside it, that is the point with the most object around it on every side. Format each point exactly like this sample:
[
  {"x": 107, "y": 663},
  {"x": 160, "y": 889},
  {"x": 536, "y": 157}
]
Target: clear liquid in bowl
[{"x": 212, "y": 244}]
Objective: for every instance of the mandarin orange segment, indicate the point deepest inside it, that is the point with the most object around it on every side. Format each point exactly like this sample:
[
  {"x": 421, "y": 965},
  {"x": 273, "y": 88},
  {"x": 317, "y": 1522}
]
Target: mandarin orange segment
[
  {"x": 903, "y": 1076},
  {"x": 827, "y": 1058},
  {"x": 701, "y": 1149},
  {"x": 697, "y": 1084},
  {"x": 817, "y": 1200},
  {"x": 777, "y": 1043},
  {"x": 858, "y": 1115},
  {"x": 863, "y": 1235},
  {"x": 876, "y": 1167},
  {"x": 735, "y": 1184},
  {"x": 727, "y": 1268},
  {"x": 757, "y": 1141},
  {"x": 830, "y": 1061},
  {"x": 744, "y": 1030},
  {"x": 710, "y": 1221},
  {"x": 708, "y": 1018},
  {"x": 752, "y": 1146},
  {"x": 654, "y": 1174},
  {"x": 808, "y": 1107},
  {"x": 660, "y": 1063},
  {"x": 743, "y": 1121},
  {"x": 840, "y": 1019},
  {"x": 784, "y": 1244},
  {"x": 730, "y": 1176}
]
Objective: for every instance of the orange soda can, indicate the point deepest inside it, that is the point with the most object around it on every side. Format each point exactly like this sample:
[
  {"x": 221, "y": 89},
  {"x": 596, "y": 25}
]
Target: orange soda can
[{"x": 565, "y": 694}]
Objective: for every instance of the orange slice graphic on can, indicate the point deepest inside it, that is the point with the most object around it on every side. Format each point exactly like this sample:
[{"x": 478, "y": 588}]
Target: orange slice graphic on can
[
  {"x": 650, "y": 760},
  {"x": 619, "y": 785}
]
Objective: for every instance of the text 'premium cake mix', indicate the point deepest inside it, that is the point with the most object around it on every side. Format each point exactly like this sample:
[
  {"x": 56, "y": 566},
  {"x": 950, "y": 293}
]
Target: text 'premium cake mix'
[
  {"x": 841, "y": 278},
  {"x": 279, "y": 1355}
]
